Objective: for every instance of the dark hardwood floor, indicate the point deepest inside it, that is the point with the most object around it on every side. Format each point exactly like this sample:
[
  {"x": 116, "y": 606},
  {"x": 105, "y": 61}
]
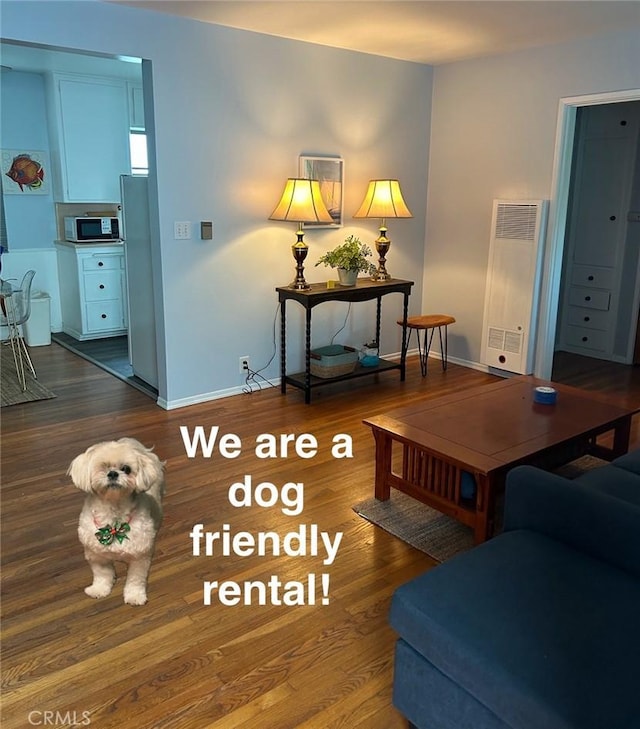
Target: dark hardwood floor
[
  {"x": 176, "y": 662},
  {"x": 110, "y": 354},
  {"x": 621, "y": 383}
]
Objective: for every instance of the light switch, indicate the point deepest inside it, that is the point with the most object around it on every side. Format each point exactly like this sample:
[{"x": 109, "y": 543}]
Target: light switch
[{"x": 182, "y": 230}]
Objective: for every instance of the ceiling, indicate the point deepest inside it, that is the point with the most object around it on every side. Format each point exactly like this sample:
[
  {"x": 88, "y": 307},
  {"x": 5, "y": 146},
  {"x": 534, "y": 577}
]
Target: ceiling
[{"x": 431, "y": 31}]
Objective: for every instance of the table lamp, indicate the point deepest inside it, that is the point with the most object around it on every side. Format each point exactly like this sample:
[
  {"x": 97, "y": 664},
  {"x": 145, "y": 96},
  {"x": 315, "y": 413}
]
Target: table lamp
[
  {"x": 302, "y": 202},
  {"x": 383, "y": 200}
]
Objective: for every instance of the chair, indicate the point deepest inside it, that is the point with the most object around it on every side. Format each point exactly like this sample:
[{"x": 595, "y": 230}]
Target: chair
[
  {"x": 425, "y": 323},
  {"x": 17, "y": 311}
]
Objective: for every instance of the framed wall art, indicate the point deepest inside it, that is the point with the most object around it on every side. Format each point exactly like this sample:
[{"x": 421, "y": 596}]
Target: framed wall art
[
  {"x": 24, "y": 172},
  {"x": 329, "y": 171}
]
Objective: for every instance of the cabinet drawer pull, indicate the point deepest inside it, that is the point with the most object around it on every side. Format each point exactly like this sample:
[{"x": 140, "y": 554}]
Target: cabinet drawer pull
[
  {"x": 100, "y": 263},
  {"x": 590, "y": 278},
  {"x": 101, "y": 286},
  {"x": 587, "y": 298},
  {"x": 587, "y": 318},
  {"x": 103, "y": 316},
  {"x": 585, "y": 339}
]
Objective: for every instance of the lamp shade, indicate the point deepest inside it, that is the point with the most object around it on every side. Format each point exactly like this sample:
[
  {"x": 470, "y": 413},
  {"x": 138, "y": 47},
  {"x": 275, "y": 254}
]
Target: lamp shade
[
  {"x": 302, "y": 202},
  {"x": 383, "y": 200}
]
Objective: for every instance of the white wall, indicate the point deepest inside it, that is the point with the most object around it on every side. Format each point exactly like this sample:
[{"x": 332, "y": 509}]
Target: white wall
[
  {"x": 30, "y": 218},
  {"x": 493, "y": 136},
  {"x": 23, "y": 122},
  {"x": 233, "y": 110}
]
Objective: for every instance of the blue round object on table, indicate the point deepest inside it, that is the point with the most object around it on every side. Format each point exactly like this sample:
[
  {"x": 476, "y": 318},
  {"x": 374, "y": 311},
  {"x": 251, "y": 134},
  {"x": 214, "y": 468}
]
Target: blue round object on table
[{"x": 545, "y": 395}]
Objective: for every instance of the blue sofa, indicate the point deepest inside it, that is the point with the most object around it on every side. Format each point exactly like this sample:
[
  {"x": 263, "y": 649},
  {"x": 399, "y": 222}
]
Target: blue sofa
[{"x": 539, "y": 627}]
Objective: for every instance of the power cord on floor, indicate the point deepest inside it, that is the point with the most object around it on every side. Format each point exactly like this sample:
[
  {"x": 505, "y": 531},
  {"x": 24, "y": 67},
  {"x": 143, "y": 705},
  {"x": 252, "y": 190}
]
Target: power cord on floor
[
  {"x": 254, "y": 378},
  {"x": 251, "y": 381}
]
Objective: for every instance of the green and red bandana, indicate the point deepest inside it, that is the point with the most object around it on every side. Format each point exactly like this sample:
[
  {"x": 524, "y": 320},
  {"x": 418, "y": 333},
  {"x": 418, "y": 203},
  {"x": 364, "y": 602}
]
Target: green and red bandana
[{"x": 108, "y": 534}]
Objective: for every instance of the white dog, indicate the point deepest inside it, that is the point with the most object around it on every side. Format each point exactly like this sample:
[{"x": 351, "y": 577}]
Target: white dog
[{"x": 122, "y": 512}]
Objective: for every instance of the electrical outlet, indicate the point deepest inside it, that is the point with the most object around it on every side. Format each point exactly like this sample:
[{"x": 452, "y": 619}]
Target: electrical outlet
[{"x": 243, "y": 364}]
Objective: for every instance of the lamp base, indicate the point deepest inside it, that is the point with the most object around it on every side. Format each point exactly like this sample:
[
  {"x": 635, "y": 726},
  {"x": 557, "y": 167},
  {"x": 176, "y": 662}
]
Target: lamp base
[
  {"x": 299, "y": 285},
  {"x": 382, "y": 247},
  {"x": 299, "y": 250},
  {"x": 381, "y": 275}
]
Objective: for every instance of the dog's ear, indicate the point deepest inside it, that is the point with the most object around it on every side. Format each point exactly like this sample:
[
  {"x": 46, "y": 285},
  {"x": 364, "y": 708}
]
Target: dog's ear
[
  {"x": 80, "y": 471},
  {"x": 150, "y": 468}
]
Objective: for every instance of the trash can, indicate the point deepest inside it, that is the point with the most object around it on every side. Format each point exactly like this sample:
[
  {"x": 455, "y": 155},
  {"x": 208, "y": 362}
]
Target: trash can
[{"x": 37, "y": 328}]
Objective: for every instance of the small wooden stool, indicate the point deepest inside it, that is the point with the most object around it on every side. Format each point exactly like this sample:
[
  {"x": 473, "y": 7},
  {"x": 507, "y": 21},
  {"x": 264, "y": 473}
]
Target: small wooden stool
[{"x": 424, "y": 323}]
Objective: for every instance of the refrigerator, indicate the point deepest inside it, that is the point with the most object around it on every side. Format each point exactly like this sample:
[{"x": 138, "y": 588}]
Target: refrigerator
[{"x": 136, "y": 233}]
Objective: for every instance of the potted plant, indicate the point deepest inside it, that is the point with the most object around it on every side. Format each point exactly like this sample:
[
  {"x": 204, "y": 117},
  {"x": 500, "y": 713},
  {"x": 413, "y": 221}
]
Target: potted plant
[{"x": 350, "y": 258}]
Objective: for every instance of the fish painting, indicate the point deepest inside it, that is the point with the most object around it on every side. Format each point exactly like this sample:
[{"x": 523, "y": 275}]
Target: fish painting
[{"x": 26, "y": 172}]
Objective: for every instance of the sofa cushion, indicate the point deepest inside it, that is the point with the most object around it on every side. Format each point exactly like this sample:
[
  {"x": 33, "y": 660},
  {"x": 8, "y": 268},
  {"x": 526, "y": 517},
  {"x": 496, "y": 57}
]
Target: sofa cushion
[
  {"x": 574, "y": 514},
  {"x": 539, "y": 633},
  {"x": 429, "y": 699},
  {"x": 618, "y": 482},
  {"x": 630, "y": 462}
]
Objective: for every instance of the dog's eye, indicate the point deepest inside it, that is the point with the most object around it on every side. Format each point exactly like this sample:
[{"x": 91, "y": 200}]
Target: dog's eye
[{"x": 126, "y": 469}]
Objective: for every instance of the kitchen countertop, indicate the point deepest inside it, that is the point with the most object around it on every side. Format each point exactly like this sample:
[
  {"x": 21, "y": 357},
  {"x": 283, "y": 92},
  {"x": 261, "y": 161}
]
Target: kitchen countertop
[{"x": 91, "y": 244}]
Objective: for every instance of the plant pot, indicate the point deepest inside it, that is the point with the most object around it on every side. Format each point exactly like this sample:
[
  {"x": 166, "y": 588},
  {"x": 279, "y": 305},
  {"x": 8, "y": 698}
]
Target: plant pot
[{"x": 346, "y": 277}]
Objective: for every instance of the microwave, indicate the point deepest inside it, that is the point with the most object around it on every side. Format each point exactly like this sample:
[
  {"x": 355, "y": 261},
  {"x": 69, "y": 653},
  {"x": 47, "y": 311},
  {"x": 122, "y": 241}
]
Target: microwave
[{"x": 87, "y": 229}]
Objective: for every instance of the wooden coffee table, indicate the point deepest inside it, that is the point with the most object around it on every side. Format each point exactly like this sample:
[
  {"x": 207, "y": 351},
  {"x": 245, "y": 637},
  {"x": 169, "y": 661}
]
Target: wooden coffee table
[{"x": 453, "y": 452}]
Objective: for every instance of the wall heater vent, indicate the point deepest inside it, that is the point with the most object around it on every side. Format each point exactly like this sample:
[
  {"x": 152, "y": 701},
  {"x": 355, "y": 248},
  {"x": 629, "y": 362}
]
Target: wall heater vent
[
  {"x": 516, "y": 222},
  {"x": 513, "y": 282}
]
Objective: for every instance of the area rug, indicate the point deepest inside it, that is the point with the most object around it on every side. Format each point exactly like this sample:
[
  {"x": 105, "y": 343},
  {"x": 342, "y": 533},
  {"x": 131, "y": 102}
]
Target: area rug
[
  {"x": 417, "y": 524},
  {"x": 10, "y": 390},
  {"x": 426, "y": 529}
]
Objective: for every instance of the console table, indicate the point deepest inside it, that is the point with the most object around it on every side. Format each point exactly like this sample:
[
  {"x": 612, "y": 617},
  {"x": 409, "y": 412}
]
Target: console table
[{"x": 364, "y": 290}]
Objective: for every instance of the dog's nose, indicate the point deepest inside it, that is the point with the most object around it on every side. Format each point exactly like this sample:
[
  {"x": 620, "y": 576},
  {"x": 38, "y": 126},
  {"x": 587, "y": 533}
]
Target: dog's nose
[{"x": 112, "y": 475}]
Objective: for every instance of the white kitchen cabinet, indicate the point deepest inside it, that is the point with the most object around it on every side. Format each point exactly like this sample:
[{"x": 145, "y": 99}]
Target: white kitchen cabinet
[
  {"x": 89, "y": 137},
  {"x": 92, "y": 289}
]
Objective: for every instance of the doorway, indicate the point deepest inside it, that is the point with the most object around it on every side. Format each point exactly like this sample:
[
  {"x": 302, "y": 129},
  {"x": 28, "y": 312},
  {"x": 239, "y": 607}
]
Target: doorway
[
  {"x": 599, "y": 287},
  {"x": 558, "y": 217},
  {"x": 38, "y": 71},
  {"x": 110, "y": 354}
]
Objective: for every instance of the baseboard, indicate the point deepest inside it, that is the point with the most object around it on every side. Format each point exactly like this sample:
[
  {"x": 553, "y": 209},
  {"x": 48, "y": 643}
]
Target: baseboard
[
  {"x": 451, "y": 360},
  {"x": 241, "y": 389},
  {"x": 479, "y": 366},
  {"x": 216, "y": 395},
  {"x": 436, "y": 355}
]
